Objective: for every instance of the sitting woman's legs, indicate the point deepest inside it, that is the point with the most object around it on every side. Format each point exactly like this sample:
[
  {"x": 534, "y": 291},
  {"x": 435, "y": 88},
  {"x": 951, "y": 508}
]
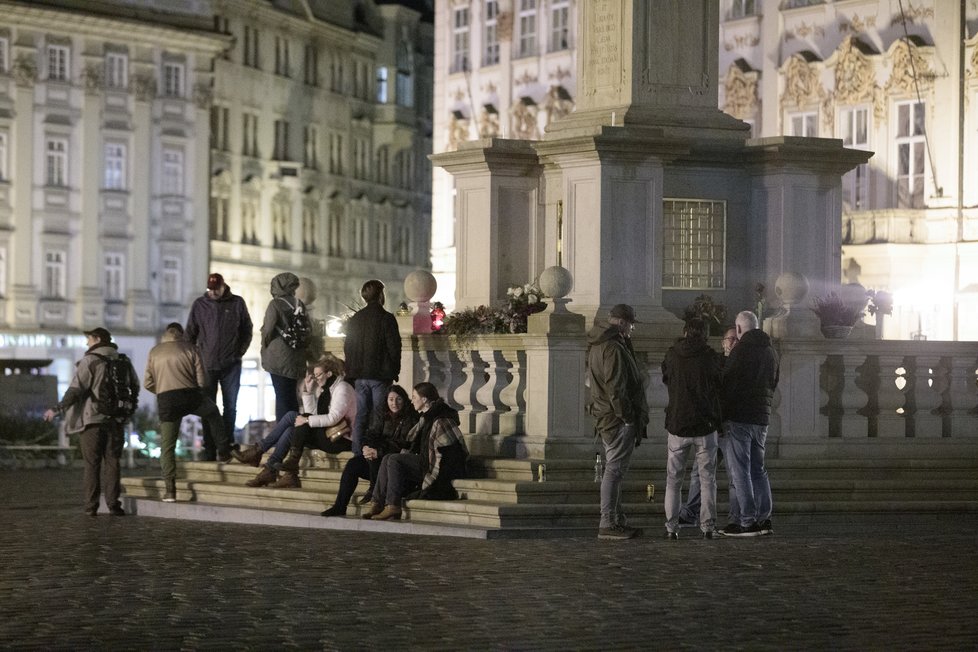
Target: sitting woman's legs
[
  {"x": 355, "y": 469},
  {"x": 280, "y": 428},
  {"x": 403, "y": 475},
  {"x": 316, "y": 438},
  {"x": 282, "y": 445}
]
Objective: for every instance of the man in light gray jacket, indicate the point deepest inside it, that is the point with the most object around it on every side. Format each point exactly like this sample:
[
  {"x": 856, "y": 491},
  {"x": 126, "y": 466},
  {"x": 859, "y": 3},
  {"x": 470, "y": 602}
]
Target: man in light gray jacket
[{"x": 101, "y": 437}]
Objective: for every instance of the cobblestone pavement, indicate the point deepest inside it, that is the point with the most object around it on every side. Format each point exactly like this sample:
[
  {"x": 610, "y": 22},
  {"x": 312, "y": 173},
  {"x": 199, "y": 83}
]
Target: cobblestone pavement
[{"x": 69, "y": 581}]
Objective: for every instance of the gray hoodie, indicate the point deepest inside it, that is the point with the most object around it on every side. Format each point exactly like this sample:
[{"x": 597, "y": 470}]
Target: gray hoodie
[{"x": 277, "y": 357}]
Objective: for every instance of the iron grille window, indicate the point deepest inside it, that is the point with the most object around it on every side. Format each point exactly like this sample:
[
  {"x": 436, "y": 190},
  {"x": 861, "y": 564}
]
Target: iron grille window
[{"x": 694, "y": 236}]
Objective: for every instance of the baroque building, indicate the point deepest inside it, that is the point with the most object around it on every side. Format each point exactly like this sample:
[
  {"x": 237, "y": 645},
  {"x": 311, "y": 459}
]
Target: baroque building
[
  {"x": 894, "y": 78},
  {"x": 146, "y": 144},
  {"x": 103, "y": 174}
]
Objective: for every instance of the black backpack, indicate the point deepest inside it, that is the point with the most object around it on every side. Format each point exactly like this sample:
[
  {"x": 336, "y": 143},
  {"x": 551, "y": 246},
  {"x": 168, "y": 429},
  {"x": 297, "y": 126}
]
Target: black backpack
[
  {"x": 117, "y": 394},
  {"x": 297, "y": 327}
]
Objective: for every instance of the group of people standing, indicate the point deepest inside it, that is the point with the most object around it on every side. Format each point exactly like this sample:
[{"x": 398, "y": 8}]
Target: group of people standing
[{"x": 715, "y": 403}]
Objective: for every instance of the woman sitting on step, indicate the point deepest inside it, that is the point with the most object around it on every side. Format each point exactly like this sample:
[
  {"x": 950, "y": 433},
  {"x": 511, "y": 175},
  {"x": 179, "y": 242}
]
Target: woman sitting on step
[
  {"x": 318, "y": 403},
  {"x": 330, "y": 431},
  {"x": 387, "y": 433},
  {"x": 436, "y": 457}
]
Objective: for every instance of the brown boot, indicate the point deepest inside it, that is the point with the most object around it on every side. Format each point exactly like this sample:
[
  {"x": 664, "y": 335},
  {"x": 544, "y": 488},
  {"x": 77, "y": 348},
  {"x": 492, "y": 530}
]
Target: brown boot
[
  {"x": 265, "y": 477},
  {"x": 251, "y": 456},
  {"x": 390, "y": 512},
  {"x": 373, "y": 509},
  {"x": 288, "y": 481},
  {"x": 291, "y": 462}
]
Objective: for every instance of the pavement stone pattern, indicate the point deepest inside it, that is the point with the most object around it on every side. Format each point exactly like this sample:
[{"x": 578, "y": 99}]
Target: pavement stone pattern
[{"x": 72, "y": 582}]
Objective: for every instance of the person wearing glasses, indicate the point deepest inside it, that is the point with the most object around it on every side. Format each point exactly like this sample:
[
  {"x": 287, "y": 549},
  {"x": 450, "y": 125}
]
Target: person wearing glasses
[
  {"x": 619, "y": 409},
  {"x": 317, "y": 401}
]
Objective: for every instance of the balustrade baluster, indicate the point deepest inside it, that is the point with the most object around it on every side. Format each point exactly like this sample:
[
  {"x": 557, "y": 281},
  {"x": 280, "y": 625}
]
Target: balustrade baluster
[
  {"x": 924, "y": 409},
  {"x": 962, "y": 396},
  {"x": 890, "y": 397},
  {"x": 854, "y": 398}
]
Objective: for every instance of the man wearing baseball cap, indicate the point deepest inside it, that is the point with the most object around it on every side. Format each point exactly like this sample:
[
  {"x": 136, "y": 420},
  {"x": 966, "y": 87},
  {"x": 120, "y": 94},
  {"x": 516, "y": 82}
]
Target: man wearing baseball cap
[
  {"x": 100, "y": 436},
  {"x": 620, "y": 411},
  {"x": 220, "y": 327}
]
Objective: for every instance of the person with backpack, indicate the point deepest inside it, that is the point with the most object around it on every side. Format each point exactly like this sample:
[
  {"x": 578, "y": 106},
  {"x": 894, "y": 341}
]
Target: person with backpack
[
  {"x": 101, "y": 397},
  {"x": 175, "y": 373},
  {"x": 283, "y": 343}
]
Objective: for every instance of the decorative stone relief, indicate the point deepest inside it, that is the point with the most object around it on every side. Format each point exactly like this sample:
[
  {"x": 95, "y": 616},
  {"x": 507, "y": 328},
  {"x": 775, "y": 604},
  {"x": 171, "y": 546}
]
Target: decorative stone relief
[
  {"x": 144, "y": 86},
  {"x": 804, "y": 30},
  {"x": 972, "y": 71},
  {"x": 458, "y": 131},
  {"x": 93, "y": 78},
  {"x": 525, "y": 79},
  {"x": 203, "y": 95},
  {"x": 560, "y": 74},
  {"x": 741, "y": 42},
  {"x": 856, "y": 25},
  {"x": 558, "y": 103},
  {"x": 801, "y": 83},
  {"x": 855, "y": 77},
  {"x": 24, "y": 70},
  {"x": 912, "y": 14},
  {"x": 906, "y": 60},
  {"x": 524, "y": 112},
  {"x": 740, "y": 92},
  {"x": 488, "y": 123},
  {"x": 504, "y": 26}
]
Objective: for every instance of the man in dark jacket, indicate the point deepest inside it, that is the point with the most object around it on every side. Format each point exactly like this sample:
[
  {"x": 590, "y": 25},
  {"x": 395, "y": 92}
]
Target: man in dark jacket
[
  {"x": 101, "y": 437},
  {"x": 373, "y": 356},
  {"x": 619, "y": 408},
  {"x": 691, "y": 373},
  {"x": 220, "y": 327},
  {"x": 750, "y": 377}
]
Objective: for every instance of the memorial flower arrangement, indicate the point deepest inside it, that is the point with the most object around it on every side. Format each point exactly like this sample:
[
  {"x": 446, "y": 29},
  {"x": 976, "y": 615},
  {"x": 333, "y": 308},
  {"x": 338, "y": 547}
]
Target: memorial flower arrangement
[
  {"x": 511, "y": 317},
  {"x": 880, "y": 301},
  {"x": 832, "y": 310},
  {"x": 713, "y": 314}
]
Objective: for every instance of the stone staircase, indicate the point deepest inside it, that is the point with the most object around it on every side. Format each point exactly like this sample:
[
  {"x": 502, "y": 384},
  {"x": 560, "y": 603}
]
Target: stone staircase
[{"x": 508, "y": 500}]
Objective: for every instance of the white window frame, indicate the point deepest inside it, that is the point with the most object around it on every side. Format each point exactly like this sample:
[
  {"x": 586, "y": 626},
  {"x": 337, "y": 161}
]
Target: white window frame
[
  {"x": 55, "y": 269},
  {"x": 56, "y": 162},
  {"x": 560, "y": 26},
  {"x": 115, "y": 276},
  {"x": 3, "y": 272},
  {"x": 281, "y": 150},
  {"x": 116, "y": 164},
  {"x": 58, "y": 62},
  {"x": 490, "y": 33},
  {"x": 803, "y": 124},
  {"x": 382, "y": 81},
  {"x": 311, "y": 68},
  {"x": 282, "y": 65},
  {"x": 174, "y": 74},
  {"x": 251, "y": 45},
  {"x": 855, "y": 128},
  {"x": 528, "y": 28},
  {"x": 311, "y": 147},
  {"x": 249, "y": 144},
  {"x": 116, "y": 70},
  {"x": 911, "y": 154},
  {"x": 4, "y": 153},
  {"x": 171, "y": 280},
  {"x": 4, "y": 54},
  {"x": 460, "y": 39},
  {"x": 694, "y": 244},
  {"x": 172, "y": 177}
]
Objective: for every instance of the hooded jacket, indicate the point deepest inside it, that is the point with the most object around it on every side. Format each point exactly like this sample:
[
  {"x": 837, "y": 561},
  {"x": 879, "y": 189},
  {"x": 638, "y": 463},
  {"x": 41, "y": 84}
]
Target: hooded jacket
[
  {"x": 220, "y": 328},
  {"x": 750, "y": 377},
  {"x": 373, "y": 345},
  {"x": 277, "y": 357},
  {"x": 78, "y": 403},
  {"x": 691, "y": 372},
  {"x": 617, "y": 383}
]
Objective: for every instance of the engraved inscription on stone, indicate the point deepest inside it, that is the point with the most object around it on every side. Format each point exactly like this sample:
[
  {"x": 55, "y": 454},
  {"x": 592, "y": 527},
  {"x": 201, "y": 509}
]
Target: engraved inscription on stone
[{"x": 604, "y": 40}]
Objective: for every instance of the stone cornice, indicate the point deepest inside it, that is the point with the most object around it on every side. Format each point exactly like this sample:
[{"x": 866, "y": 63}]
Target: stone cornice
[
  {"x": 46, "y": 20},
  {"x": 812, "y": 154},
  {"x": 512, "y": 157}
]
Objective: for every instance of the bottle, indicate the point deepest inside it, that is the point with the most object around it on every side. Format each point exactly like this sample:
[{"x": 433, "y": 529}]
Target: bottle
[
  {"x": 542, "y": 473},
  {"x": 598, "y": 467}
]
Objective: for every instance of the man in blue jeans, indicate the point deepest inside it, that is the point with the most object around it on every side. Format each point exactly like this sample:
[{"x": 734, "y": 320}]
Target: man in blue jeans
[
  {"x": 373, "y": 356},
  {"x": 750, "y": 377},
  {"x": 619, "y": 408}
]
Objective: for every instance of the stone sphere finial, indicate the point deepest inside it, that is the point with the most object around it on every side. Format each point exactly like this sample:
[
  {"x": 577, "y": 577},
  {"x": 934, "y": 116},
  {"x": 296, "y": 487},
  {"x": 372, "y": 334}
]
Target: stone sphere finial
[
  {"x": 306, "y": 292},
  {"x": 420, "y": 286},
  {"x": 556, "y": 282},
  {"x": 791, "y": 288}
]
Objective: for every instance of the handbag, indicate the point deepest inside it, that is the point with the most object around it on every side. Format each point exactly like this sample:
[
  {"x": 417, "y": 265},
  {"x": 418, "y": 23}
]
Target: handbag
[{"x": 340, "y": 429}]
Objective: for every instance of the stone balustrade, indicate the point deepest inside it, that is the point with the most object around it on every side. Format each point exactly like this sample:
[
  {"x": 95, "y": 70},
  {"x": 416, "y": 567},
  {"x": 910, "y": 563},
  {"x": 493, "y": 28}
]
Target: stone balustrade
[{"x": 896, "y": 396}]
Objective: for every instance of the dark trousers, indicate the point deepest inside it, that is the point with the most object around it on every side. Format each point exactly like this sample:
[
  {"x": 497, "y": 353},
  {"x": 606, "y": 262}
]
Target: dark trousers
[
  {"x": 101, "y": 447},
  {"x": 306, "y": 437},
  {"x": 229, "y": 378},
  {"x": 400, "y": 474},
  {"x": 357, "y": 467},
  {"x": 286, "y": 397}
]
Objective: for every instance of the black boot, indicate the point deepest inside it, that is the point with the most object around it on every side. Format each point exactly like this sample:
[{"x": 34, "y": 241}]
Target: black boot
[{"x": 291, "y": 462}]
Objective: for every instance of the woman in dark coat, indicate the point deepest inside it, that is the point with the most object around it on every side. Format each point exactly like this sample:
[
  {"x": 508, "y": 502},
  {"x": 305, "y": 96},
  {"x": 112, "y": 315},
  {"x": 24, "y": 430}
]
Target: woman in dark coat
[{"x": 388, "y": 433}]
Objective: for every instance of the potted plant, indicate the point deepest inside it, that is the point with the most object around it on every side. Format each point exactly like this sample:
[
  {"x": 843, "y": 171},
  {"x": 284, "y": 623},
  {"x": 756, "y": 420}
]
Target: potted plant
[
  {"x": 837, "y": 316},
  {"x": 713, "y": 314}
]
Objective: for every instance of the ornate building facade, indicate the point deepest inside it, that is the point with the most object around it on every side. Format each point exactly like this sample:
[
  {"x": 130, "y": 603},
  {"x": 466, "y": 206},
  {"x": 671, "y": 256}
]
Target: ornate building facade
[
  {"x": 103, "y": 175},
  {"x": 895, "y": 78},
  {"x": 144, "y": 145}
]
